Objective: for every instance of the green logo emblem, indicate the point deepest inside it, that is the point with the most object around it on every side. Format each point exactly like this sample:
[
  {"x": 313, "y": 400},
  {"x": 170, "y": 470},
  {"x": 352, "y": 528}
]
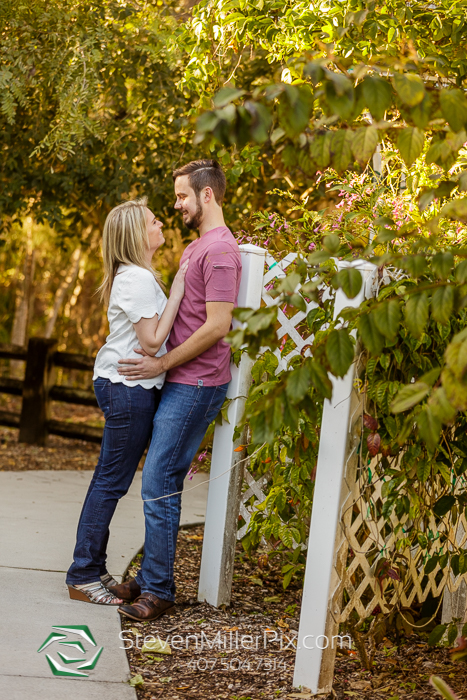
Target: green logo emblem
[{"x": 71, "y": 646}]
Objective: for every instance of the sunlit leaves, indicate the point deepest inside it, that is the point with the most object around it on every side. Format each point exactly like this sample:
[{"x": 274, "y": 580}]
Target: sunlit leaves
[
  {"x": 226, "y": 95},
  {"x": 320, "y": 150},
  {"x": 370, "y": 335},
  {"x": 454, "y": 108},
  {"x": 409, "y": 87},
  {"x": 409, "y": 396},
  {"x": 298, "y": 383},
  {"x": 442, "y": 303},
  {"x": 387, "y": 318},
  {"x": 442, "y": 264},
  {"x": 341, "y": 149},
  {"x": 295, "y": 105},
  {"x": 340, "y": 352},
  {"x": 350, "y": 280},
  {"x": 456, "y": 209},
  {"x": 416, "y": 313},
  {"x": 364, "y": 144},
  {"x": 378, "y": 96},
  {"x": 410, "y": 144}
]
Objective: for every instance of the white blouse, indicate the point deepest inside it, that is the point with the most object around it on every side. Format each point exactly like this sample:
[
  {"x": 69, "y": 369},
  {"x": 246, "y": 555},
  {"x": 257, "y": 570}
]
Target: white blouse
[{"x": 135, "y": 295}]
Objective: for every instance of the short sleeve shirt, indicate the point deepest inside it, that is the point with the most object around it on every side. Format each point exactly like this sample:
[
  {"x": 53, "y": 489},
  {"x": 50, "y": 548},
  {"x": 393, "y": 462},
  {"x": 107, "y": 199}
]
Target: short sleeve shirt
[
  {"x": 213, "y": 274},
  {"x": 135, "y": 295}
]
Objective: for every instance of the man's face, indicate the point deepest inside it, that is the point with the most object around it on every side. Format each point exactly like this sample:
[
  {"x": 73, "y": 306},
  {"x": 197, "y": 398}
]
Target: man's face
[{"x": 188, "y": 203}]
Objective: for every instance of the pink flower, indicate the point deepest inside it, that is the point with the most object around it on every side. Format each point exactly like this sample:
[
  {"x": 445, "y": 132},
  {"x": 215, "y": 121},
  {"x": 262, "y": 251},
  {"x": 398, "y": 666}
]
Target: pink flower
[
  {"x": 192, "y": 472},
  {"x": 312, "y": 246}
]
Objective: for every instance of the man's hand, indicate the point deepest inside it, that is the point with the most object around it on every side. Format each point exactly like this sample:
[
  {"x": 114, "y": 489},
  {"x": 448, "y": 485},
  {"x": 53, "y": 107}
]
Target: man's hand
[{"x": 144, "y": 368}]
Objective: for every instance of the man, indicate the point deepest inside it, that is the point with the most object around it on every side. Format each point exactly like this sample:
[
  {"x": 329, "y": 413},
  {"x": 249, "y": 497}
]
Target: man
[{"x": 198, "y": 372}]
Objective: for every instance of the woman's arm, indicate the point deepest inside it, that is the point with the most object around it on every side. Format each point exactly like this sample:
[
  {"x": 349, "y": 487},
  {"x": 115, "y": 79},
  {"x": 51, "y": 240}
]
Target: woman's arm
[{"x": 151, "y": 332}]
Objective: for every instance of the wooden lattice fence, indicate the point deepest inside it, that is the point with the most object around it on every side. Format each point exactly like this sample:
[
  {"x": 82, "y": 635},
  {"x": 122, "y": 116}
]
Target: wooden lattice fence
[{"x": 348, "y": 534}]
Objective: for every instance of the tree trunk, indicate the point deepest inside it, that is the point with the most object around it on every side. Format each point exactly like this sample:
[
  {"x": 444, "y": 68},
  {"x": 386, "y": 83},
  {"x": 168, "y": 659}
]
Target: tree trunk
[
  {"x": 62, "y": 291},
  {"x": 23, "y": 302}
]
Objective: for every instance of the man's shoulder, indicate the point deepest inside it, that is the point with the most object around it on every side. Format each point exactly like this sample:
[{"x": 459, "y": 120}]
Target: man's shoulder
[{"x": 223, "y": 241}]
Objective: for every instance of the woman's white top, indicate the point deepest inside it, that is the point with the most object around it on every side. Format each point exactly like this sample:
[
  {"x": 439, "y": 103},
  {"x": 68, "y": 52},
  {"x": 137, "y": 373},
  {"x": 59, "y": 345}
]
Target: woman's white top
[{"x": 135, "y": 295}]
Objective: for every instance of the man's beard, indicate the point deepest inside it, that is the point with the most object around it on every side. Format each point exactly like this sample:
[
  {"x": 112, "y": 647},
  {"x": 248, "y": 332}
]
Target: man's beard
[{"x": 195, "y": 221}]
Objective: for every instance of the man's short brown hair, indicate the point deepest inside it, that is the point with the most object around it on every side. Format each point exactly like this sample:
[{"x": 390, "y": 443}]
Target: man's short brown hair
[{"x": 204, "y": 173}]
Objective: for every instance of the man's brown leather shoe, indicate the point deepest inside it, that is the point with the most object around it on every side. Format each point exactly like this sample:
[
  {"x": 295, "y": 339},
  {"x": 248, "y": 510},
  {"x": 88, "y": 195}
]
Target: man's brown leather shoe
[
  {"x": 127, "y": 591},
  {"x": 147, "y": 607}
]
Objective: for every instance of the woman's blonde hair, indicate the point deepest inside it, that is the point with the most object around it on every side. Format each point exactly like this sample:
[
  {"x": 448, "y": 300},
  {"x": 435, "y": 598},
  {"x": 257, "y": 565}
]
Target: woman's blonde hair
[{"x": 125, "y": 241}]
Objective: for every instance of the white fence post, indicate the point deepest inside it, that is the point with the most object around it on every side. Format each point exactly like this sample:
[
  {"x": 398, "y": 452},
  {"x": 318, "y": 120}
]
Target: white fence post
[
  {"x": 220, "y": 532},
  {"x": 314, "y": 663}
]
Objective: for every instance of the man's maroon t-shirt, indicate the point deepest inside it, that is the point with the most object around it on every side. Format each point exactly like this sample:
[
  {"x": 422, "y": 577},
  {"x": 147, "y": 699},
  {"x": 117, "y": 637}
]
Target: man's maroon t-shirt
[{"x": 213, "y": 274}]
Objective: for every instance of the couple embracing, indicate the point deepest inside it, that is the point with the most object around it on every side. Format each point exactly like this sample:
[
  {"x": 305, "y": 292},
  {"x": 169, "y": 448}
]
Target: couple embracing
[{"x": 161, "y": 376}]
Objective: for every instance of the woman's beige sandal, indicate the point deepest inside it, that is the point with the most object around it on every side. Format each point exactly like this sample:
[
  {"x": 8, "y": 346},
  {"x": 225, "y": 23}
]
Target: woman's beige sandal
[{"x": 93, "y": 593}]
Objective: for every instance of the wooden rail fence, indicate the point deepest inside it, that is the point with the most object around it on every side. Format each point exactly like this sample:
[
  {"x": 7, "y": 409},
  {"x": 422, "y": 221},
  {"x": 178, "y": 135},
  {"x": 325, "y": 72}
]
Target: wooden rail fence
[{"x": 38, "y": 390}]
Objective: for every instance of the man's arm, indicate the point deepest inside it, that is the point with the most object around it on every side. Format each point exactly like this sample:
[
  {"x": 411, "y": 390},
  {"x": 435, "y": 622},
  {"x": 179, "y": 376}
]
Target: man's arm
[{"x": 216, "y": 327}]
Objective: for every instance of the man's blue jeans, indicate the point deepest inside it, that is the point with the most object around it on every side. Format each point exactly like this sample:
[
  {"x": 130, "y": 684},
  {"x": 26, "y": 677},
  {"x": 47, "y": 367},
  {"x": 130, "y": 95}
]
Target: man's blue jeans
[
  {"x": 129, "y": 413},
  {"x": 181, "y": 421}
]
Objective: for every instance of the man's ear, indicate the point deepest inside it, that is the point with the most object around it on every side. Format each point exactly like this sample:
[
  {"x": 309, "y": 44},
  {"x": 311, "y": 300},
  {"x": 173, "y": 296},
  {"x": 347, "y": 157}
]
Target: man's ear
[{"x": 207, "y": 195}]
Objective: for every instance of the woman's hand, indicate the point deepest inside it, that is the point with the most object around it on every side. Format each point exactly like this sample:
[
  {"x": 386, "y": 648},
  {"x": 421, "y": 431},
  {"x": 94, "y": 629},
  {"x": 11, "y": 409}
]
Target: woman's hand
[{"x": 178, "y": 286}]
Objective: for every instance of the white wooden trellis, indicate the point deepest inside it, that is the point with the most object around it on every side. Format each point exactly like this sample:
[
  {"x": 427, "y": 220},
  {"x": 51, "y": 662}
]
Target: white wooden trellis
[{"x": 342, "y": 529}]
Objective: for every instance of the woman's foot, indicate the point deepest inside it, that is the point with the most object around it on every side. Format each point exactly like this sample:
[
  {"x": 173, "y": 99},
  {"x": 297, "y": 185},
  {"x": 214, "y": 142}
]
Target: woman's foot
[
  {"x": 108, "y": 580},
  {"x": 94, "y": 592}
]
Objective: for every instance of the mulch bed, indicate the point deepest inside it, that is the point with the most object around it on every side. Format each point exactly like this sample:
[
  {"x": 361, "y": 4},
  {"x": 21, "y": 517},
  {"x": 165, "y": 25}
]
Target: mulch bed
[{"x": 262, "y": 609}]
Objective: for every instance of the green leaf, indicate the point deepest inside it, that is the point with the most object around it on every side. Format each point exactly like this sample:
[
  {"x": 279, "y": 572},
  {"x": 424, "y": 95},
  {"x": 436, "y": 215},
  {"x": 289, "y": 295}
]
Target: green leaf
[
  {"x": 410, "y": 144},
  {"x": 350, "y": 280},
  {"x": 341, "y": 149},
  {"x": 416, "y": 313},
  {"x": 295, "y": 106},
  {"x": 298, "y": 383},
  {"x": 387, "y": 318},
  {"x": 320, "y": 380},
  {"x": 437, "y": 634},
  {"x": 444, "y": 505},
  {"x": 408, "y": 396},
  {"x": 331, "y": 243},
  {"x": 370, "y": 335},
  {"x": 340, "y": 100},
  {"x": 340, "y": 352},
  {"x": 364, "y": 144},
  {"x": 136, "y": 681},
  {"x": 454, "y": 108},
  {"x": 420, "y": 114},
  {"x": 319, "y": 257},
  {"x": 226, "y": 95},
  {"x": 423, "y": 470},
  {"x": 426, "y": 198},
  {"x": 429, "y": 427},
  {"x": 461, "y": 272},
  {"x": 378, "y": 96},
  {"x": 157, "y": 646},
  {"x": 442, "y": 264},
  {"x": 455, "y": 209},
  {"x": 431, "y": 564},
  {"x": 320, "y": 150},
  {"x": 409, "y": 87},
  {"x": 442, "y": 304},
  {"x": 445, "y": 472},
  {"x": 441, "y": 686}
]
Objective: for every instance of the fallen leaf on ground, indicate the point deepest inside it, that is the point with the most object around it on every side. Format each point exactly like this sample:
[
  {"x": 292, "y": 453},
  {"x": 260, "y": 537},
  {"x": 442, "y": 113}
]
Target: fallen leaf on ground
[{"x": 158, "y": 646}]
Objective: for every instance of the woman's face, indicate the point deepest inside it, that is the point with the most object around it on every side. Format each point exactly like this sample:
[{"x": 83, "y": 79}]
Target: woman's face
[{"x": 154, "y": 229}]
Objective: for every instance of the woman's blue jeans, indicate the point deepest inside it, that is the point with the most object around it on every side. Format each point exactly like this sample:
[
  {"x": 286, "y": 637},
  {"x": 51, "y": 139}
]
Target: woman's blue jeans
[
  {"x": 129, "y": 414},
  {"x": 181, "y": 421}
]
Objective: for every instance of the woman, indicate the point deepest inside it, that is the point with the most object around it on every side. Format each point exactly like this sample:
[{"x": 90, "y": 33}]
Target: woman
[{"x": 138, "y": 313}]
